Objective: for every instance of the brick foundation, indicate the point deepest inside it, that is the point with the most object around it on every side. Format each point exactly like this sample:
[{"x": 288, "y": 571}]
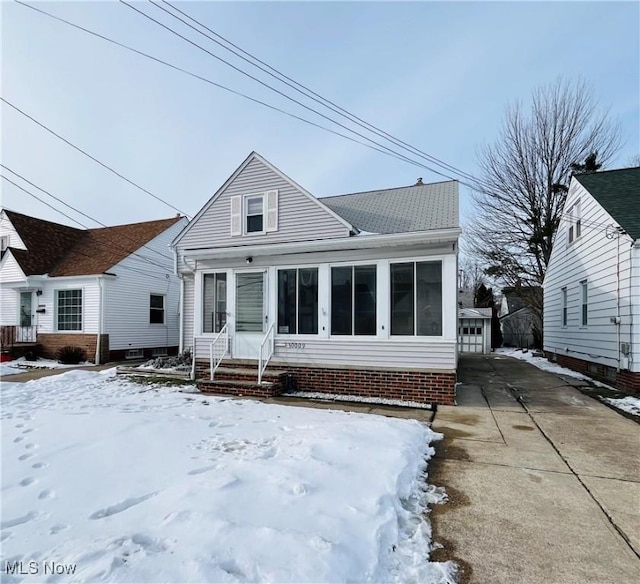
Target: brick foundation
[
  {"x": 624, "y": 380},
  {"x": 51, "y": 343},
  {"x": 432, "y": 387}
]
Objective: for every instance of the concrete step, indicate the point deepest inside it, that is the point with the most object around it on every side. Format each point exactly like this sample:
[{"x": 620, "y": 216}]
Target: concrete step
[
  {"x": 248, "y": 374},
  {"x": 240, "y": 387}
]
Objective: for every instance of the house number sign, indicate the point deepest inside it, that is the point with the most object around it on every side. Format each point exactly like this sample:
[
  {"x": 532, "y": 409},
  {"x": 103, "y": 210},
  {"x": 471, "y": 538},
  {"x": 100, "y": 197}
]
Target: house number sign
[{"x": 295, "y": 345}]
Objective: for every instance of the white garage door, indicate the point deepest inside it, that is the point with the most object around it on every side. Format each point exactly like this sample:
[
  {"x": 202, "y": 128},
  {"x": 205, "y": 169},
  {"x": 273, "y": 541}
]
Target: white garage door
[{"x": 470, "y": 335}]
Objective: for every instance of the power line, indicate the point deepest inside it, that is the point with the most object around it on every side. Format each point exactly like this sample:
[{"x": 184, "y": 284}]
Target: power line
[
  {"x": 309, "y": 93},
  {"x": 173, "y": 31},
  {"x": 129, "y": 252},
  {"x": 220, "y": 86},
  {"x": 109, "y": 168},
  {"x": 78, "y": 223},
  {"x": 78, "y": 210}
]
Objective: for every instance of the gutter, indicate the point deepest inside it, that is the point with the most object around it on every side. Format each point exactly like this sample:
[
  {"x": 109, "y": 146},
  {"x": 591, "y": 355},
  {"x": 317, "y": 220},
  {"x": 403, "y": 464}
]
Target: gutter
[{"x": 343, "y": 243}]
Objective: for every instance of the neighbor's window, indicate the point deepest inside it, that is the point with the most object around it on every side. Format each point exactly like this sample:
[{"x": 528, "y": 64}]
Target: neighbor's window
[
  {"x": 353, "y": 300},
  {"x": 69, "y": 309},
  {"x": 156, "y": 309},
  {"x": 214, "y": 301},
  {"x": 254, "y": 214},
  {"x": 298, "y": 301},
  {"x": 585, "y": 303},
  {"x": 416, "y": 298},
  {"x": 4, "y": 244},
  {"x": 563, "y": 299},
  {"x": 575, "y": 223}
]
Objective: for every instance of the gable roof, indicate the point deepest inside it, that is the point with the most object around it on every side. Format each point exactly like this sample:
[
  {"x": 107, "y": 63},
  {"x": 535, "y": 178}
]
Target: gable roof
[
  {"x": 521, "y": 297},
  {"x": 52, "y": 241},
  {"x": 618, "y": 191},
  {"x": 255, "y": 156},
  {"x": 60, "y": 250},
  {"x": 398, "y": 210}
]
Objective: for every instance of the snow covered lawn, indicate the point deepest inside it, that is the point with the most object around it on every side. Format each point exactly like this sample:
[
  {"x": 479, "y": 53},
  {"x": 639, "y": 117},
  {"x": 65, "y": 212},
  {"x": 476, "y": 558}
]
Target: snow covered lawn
[
  {"x": 133, "y": 483},
  {"x": 21, "y": 365}
]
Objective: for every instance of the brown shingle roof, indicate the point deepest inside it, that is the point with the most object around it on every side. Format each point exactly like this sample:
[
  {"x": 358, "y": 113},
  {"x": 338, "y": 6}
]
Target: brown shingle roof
[
  {"x": 46, "y": 242},
  {"x": 59, "y": 250}
]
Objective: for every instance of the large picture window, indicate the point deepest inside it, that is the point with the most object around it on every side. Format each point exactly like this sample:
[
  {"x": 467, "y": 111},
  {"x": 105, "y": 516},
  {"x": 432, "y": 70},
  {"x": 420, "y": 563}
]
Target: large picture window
[
  {"x": 353, "y": 300},
  {"x": 214, "y": 302},
  {"x": 416, "y": 298},
  {"x": 298, "y": 301},
  {"x": 69, "y": 308}
]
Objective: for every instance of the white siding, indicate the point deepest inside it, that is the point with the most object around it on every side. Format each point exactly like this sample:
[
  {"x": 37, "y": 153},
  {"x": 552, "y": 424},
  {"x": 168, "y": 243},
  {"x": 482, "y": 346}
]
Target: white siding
[
  {"x": 47, "y": 322},
  {"x": 604, "y": 262},
  {"x": 188, "y": 307},
  {"x": 127, "y": 297},
  {"x": 7, "y": 230},
  {"x": 9, "y": 301},
  {"x": 300, "y": 218},
  {"x": 10, "y": 271}
]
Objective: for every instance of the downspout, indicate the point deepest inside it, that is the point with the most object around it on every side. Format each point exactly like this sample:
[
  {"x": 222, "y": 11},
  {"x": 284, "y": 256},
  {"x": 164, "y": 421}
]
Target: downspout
[
  {"x": 181, "y": 316},
  {"x": 618, "y": 320},
  {"x": 100, "y": 321}
]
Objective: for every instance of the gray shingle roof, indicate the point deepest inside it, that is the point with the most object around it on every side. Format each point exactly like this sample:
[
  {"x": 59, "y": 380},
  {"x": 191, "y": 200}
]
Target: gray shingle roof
[
  {"x": 618, "y": 191},
  {"x": 404, "y": 209}
]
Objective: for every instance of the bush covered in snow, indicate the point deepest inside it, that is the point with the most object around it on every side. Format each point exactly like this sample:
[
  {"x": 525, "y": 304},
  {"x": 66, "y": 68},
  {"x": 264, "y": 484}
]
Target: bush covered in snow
[{"x": 181, "y": 362}]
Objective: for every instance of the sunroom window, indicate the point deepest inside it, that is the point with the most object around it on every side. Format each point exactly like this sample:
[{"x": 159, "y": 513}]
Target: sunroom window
[
  {"x": 353, "y": 300},
  {"x": 416, "y": 298},
  {"x": 298, "y": 301}
]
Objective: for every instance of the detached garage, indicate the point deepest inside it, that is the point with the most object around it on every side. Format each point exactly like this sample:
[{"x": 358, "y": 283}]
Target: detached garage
[{"x": 474, "y": 330}]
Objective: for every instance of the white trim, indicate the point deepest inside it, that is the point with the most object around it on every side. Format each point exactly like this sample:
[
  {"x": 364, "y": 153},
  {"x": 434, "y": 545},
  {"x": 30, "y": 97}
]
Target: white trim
[
  {"x": 56, "y": 328},
  {"x": 346, "y": 243},
  {"x": 255, "y": 156},
  {"x": 245, "y": 213}
]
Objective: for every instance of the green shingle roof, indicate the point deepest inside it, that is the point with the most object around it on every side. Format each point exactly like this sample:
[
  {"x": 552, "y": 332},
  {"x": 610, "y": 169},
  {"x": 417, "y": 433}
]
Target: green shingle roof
[{"x": 618, "y": 191}]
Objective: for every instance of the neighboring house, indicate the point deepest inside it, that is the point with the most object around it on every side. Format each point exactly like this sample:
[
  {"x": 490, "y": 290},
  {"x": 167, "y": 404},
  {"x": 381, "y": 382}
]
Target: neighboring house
[
  {"x": 111, "y": 291},
  {"x": 518, "y": 321},
  {"x": 354, "y": 294},
  {"x": 474, "y": 324},
  {"x": 592, "y": 284}
]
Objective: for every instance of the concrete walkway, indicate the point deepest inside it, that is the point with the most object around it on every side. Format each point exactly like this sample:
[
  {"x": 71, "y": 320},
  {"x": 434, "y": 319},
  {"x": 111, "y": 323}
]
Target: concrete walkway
[{"x": 544, "y": 482}]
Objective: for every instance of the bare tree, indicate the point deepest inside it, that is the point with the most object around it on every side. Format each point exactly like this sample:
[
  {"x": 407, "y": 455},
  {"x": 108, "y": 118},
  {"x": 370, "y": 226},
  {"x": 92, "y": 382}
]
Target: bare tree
[{"x": 525, "y": 174}]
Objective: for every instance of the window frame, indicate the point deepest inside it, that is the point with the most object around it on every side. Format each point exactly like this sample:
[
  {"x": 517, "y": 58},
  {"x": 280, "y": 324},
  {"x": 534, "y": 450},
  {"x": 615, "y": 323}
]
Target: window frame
[
  {"x": 575, "y": 223},
  {"x": 564, "y": 307},
  {"x": 227, "y": 278},
  {"x": 584, "y": 304},
  {"x": 415, "y": 262},
  {"x": 57, "y": 310},
  {"x": 245, "y": 213},
  {"x": 353, "y": 266},
  {"x": 297, "y": 270},
  {"x": 164, "y": 309}
]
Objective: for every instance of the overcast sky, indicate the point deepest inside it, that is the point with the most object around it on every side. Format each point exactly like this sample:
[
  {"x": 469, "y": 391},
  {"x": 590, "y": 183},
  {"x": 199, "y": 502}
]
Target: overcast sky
[{"x": 437, "y": 75}]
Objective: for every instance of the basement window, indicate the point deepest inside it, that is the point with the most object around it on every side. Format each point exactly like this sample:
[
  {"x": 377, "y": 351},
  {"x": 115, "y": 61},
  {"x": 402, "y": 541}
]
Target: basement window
[{"x": 134, "y": 354}]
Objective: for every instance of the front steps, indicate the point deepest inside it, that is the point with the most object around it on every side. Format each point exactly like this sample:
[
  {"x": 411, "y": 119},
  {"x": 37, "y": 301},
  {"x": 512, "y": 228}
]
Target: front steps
[{"x": 243, "y": 381}]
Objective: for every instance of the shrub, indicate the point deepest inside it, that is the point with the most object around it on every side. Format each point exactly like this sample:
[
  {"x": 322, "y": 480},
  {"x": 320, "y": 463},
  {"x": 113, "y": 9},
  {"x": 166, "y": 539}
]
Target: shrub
[{"x": 71, "y": 355}]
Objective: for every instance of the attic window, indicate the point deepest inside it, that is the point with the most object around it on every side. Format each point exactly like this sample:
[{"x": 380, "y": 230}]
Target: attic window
[
  {"x": 254, "y": 217},
  {"x": 4, "y": 244}
]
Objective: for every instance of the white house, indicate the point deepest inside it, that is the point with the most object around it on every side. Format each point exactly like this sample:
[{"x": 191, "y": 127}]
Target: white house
[
  {"x": 111, "y": 291},
  {"x": 592, "y": 284},
  {"x": 351, "y": 294}
]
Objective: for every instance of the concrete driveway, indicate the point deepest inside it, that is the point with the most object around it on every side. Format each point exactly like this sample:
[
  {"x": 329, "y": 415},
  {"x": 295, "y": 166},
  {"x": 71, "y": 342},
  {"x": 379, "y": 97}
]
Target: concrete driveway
[{"x": 544, "y": 482}]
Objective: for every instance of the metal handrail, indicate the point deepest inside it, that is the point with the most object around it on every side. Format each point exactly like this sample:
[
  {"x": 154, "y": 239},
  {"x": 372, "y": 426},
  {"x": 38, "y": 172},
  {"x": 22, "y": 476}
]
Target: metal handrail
[
  {"x": 216, "y": 345},
  {"x": 263, "y": 361}
]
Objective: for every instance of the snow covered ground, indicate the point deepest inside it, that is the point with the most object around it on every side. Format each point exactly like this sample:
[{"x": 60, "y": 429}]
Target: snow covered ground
[
  {"x": 118, "y": 482},
  {"x": 629, "y": 404},
  {"x": 546, "y": 365},
  {"x": 21, "y": 365}
]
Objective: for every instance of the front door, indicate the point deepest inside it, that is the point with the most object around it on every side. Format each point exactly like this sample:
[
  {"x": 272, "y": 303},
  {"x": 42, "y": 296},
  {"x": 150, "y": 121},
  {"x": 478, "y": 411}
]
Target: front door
[
  {"x": 26, "y": 316},
  {"x": 251, "y": 315}
]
